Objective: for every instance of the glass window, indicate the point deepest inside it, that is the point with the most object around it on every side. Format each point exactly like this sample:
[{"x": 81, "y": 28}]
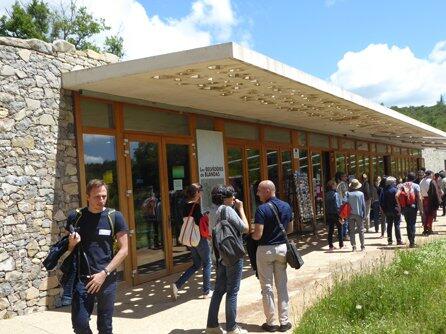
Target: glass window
[
  {"x": 241, "y": 131},
  {"x": 318, "y": 140},
  {"x": 148, "y": 120},
  {"x": 277, "y": 135},
  {"x": 302, "y": 139},
  {"x": 253, "y": 156},
  {"x": 205, "y": 123},
  {"x": 362, "y": 146},
  {"x": 352, "y": 165},
  {"x": 334, "y": 143},
  {"x": 380, "y": 166},
  {"x": 374, "y": 163},
  {"x": 96, "y": 114},
  {"x": 303, "y": 161},
  {"x": 348, "y": 144},
  {"x": 272, "y": 160},
  {"x": 381, "y": 148},
  {"x": 235, "y": 171},
  {"x": 286, "y": 171},
  {"x": 100, "y": 163},
  {"x": 340, "y": 162}
]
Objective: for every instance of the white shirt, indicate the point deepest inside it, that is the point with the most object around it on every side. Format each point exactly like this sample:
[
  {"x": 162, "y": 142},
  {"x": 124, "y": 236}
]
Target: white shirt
[{"x": 424, "y": 186}]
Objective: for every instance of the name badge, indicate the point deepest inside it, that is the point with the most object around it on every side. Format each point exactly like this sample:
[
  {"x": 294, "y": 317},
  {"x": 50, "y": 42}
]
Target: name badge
[{"x": 104, "y": 232}]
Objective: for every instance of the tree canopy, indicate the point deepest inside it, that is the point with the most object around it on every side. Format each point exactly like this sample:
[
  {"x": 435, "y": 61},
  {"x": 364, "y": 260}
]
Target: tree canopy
[
  {"x": 434, "y": 115},
  {"x": 36, "y": 19}
]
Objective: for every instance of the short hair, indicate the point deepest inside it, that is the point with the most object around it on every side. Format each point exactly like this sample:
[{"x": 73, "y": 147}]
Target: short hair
[
  {"x": 411, "y": 176},
  {"x": 428, "y": 173},
  {"x": 390, "y": 180},
  {"x": 95, "y": 183},
  {"x": 220, "y": 192},
  {"x": 331, "y": 184},
  {"x": 192, "y": 190}
]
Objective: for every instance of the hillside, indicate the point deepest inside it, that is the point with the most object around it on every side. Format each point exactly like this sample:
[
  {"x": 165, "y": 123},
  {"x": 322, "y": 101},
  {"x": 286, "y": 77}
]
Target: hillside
[{"x": 433, "y": 115}]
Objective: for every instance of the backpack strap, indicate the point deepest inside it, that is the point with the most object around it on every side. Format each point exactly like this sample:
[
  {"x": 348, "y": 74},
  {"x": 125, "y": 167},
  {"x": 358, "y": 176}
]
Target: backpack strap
[{"x": 111, "y": 214}]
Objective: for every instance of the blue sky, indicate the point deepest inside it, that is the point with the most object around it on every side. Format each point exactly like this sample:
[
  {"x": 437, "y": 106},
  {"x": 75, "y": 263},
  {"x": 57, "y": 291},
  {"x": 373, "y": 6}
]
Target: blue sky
[{"x": 391, "y": 51}]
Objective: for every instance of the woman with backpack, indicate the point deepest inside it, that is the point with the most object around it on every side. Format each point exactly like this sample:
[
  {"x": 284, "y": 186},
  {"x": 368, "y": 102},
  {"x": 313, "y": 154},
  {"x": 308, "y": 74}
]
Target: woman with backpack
[
  {"x": 229, "y": 260},
  {"x": 201, "y": 254}
]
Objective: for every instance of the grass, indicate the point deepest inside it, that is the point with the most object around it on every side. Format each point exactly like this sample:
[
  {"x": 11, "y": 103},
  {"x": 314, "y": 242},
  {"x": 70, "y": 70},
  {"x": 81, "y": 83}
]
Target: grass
[{"x": 409, "y": 296}]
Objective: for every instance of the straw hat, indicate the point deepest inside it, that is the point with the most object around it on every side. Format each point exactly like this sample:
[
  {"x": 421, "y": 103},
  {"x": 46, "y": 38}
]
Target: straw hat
[{"x": 355, "y": 184}]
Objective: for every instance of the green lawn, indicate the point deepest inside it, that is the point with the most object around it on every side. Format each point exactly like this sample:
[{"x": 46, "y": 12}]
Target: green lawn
[{"x": 409, "y": 296}]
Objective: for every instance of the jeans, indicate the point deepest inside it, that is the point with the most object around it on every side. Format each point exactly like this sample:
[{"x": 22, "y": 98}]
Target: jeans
[
  {"x": 271, "y": 264},
  {"x": 67, "y": 294},
  {"x": 356, "y": 222},
  {"x": 228, "y": 281},
  {"x": 375, "y": 212},
  {"x": 345, "y": 229},
  {"x": 83, "y": 303},
  {"x": 332, "y": 221},
  {"x": 368, "y": 205},
  {"x": 393, "y": 219},
  {"x": 410, "y": 215},
  {"x": 201, "y": 257}
]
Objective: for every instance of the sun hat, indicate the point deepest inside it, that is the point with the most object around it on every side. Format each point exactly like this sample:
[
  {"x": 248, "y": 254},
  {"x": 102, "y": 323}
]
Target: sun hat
[{"x": 355, "y": 184}]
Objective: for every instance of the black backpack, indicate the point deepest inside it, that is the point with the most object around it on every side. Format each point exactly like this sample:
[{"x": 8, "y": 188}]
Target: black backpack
[{"x": 227, "y": 241}]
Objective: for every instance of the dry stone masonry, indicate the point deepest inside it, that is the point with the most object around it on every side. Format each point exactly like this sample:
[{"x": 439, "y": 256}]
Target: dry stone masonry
[{"x": 38, "y": 165}]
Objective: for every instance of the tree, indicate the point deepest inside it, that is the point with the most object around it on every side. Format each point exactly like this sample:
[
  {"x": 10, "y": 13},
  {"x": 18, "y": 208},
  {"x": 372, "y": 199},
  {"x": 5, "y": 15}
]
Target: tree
[
  {"x": 71, "y": 23},
  {"x": 31, "y": 21}
]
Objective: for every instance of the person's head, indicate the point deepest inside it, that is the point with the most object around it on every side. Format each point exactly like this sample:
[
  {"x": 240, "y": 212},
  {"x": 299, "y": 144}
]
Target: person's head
[
  {"x": 222, "y": 194},
  {"x": 423, "y": 169},
  {"x": 420, "y": 174},
  {"x": 331, "y": 185},
  {"x": 266, "y": 190},
  {"x": 390, "y": 181},
  {"x": 194, "y": 191},
  {"x": 364, "y": 177},
  {"x": 428, "y": 174},
  {"x": 436, "y": 176},
  {"x": 340, "y": 176},
  {"x": 354, "y": 184},
  {"x": 377, "y": 180},
  {"x": 442, "y": 174},
  {"x": 96, "y": 195},
  {"x": 411, "y": 177}
]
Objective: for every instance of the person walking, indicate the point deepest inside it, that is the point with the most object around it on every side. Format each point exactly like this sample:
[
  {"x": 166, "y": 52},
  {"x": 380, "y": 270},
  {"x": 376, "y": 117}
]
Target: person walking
[
  {"x": 201, "y": 254},
  {"x": 409, "y": 201},
  {"x": 271, "y": 255},
  {"x": 228, "y": 275},
  {"x": 342, "y": 188},
  {"x": 375, "y": 210},
  {"x": 428, "y": 212},
  {"x": 95, "y": 228},
  {"x": 332, "y": 206},
  {"x": 355, "y": 198},
  {"x": 390, "y": 208},
  {"x": 382, "y": 216}
]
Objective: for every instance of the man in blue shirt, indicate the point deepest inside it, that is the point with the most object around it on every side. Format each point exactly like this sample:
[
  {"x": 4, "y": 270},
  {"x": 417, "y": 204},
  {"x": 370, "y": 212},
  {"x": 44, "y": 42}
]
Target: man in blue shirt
[
  {"x": 96, "y": 278},
  {"x": 271, "y": 255}
]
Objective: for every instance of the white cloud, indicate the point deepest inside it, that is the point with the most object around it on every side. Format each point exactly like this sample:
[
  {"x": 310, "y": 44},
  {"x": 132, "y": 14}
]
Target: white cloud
[
  {"x": 89, "y": 159},
  {"x": 394, "y": 75},
  {"x": 145, "y": 34}
]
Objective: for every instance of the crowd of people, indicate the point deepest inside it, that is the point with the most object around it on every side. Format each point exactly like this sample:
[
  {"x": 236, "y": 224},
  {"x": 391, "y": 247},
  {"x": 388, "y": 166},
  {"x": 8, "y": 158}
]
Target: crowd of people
[{"x": 381, "y": 204}]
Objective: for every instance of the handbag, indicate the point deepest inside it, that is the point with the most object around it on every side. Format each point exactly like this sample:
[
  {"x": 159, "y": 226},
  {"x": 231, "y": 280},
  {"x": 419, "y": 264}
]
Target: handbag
[
  {"x": 293, "y": 257},
  {"x": 190, "y": 232},
  {"x": 345, "y": 210}
]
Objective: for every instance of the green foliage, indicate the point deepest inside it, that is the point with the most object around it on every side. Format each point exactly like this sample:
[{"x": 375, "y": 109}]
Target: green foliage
[
  {"x": 73, "y": 24},
  {"x": 433, "y": 115},
  {"x": 406, "y": 297}
]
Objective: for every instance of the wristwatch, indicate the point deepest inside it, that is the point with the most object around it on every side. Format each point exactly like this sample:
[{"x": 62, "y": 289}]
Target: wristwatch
[{"x": 106, "y": 271}]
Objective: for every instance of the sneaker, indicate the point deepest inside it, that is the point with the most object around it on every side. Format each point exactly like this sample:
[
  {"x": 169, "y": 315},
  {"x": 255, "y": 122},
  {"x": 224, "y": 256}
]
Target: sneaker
[
  {"x": 285, "y": 327},
  {"x": 362, "y": 248},
  {"x": 412, "y": 246},
  {"x": 215, "y": 330},
  {"x": 238, "y": 330},
  {"x": 400, "y": 243},
  {"x": 270, "y": 328},
  {"x": 425, "y": 232},
  {"x": 381, "y": 236},
  {"x": 174, "y": 291},
  {"x": 208, "y": 295},
  {"x": 354, "y": 249},
  {"x": 389, "y": 243}
]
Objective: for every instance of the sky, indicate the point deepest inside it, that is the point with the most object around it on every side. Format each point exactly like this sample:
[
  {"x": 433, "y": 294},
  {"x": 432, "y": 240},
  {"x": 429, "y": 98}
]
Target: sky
[{"x": 392, "y": 52}]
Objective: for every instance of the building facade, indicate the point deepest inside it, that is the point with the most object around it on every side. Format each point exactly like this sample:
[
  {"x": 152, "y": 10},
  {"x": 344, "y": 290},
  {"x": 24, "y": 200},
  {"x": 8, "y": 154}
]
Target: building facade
[{"x": 150, "y": 127}]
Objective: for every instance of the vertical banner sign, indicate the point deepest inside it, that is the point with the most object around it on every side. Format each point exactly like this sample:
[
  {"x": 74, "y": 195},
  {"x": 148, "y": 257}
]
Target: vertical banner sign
[{"x": 211, "y": 164}]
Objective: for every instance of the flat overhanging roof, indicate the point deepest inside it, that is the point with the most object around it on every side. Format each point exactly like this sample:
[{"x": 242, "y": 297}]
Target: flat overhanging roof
[{"x": 229, "y": 80}]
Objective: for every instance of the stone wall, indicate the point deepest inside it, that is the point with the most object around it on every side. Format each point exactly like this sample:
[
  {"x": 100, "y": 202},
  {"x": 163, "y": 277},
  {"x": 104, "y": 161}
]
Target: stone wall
[
  {"x": 38, "y": 165},
  {"x": 434, "y": 159}
]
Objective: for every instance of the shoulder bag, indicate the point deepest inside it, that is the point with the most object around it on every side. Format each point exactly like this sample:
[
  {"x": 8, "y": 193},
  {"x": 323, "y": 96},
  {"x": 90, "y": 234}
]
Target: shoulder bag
[
  {"x": 293, "y": 256},
  {"x": 190, "y": 232}
]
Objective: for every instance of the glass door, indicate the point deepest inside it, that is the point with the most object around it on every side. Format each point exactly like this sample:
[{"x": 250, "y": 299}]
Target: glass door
[{"x": 145, "y": 208}]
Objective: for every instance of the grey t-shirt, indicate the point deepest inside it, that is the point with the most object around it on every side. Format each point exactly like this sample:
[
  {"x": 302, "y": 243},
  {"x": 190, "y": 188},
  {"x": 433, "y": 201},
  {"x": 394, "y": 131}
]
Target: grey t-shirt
[{"x": 231, "y": 216}]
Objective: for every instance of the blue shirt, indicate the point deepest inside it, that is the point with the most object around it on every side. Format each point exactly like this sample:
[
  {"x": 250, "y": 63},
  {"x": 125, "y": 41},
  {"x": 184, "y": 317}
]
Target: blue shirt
[
  {"x": 96, "y": 238},
  {"x": 332, "y": 202},
  {"x": 357, "y": 202},
  {"x": 272, "y": 234}
]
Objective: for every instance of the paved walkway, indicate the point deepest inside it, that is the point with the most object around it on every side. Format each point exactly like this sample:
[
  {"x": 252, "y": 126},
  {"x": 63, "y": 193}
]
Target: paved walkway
[{"x": 148, "y": 309}]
